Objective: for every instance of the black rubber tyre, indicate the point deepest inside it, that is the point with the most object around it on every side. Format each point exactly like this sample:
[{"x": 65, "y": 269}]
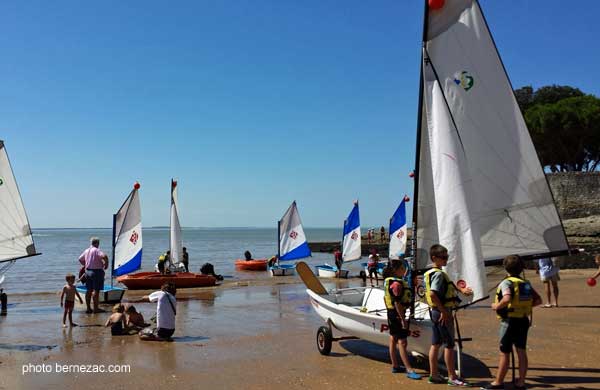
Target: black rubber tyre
[{"x": 324, "y": 340}]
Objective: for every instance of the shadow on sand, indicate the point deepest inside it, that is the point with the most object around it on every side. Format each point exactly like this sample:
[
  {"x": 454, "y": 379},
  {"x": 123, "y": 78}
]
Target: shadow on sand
[
  {"x": 552, "y": 381},
  {"x": 472, "y": 366},
  {"x": 26, "y": 347}
]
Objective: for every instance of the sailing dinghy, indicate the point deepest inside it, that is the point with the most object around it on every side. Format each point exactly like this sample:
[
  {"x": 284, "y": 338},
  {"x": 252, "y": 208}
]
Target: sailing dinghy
[
  {"x": 351, "y": 246},
  {"x": 126, "y": 245},
  {"x": 480, "y": 189},
  {"x": 292, "y": 244},
  {"x": 16, "y": 240},
  {"x": 154, "y": 280}
]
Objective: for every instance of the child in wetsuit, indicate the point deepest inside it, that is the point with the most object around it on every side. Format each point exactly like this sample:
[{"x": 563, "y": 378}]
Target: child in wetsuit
[
  {"x": 116, "y": 321},
  {"x": 69, "y": 292}
]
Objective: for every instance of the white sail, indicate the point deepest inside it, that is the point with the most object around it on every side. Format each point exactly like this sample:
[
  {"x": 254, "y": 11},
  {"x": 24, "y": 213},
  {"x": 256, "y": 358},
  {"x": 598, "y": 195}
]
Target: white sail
[
  {"x": 15, "y": 234},
  {"x": 292, "y": 241},
  {"x": 482, "y": 191},
  {"x": 351, "y": 245},
  {"x": 127, "y": 235},
  {"x": 175, "y": 227}
]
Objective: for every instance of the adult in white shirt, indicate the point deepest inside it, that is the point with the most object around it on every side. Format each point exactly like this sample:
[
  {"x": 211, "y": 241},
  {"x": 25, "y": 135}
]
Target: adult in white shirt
[{"x": 166, "y": 310}]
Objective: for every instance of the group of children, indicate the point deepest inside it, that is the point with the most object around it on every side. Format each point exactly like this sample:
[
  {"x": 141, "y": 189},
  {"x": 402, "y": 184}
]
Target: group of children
[
  {"x": 513, "y": 303},
  {"x": 125, "y": 319}
]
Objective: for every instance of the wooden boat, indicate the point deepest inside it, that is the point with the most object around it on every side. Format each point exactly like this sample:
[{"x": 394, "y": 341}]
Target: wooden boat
[
  {"x": 154, "y": 280},
  {"x": 251, "y": 265}
]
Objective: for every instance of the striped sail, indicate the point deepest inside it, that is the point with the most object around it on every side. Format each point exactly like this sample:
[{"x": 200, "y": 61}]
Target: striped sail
[
  {"x": 398, "y": 232},
  {"x": 351, "y": 246},
  {"x": 482, "y": 192},
  {"x": 15, "y": 234},
  {"x": 175, "y": 227},
  {"x": 127, "y": 235},
  {"x": 292, "y": 241}
]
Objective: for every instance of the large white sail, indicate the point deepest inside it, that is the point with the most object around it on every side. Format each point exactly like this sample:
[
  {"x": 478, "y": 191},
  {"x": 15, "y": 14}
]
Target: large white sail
[
  {"x": 15, "y": 234},
  {"x": 482, "y": 191},
  {"x": 351, "y": 245},
  {"x": 292, "y": 241},
  {"x": 175, "y": 227},
  {"x": 127, "y": 235}
]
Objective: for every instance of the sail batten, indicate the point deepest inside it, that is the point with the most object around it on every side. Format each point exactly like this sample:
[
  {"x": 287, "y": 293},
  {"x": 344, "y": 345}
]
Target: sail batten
[
  {"x": 16, "y": 240},
  {"x": 482, "y": 191}
]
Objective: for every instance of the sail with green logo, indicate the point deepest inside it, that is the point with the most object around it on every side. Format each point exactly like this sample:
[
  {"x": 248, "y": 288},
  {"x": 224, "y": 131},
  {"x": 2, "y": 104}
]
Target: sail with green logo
[
  {"x": 16, "y": 241},
  {"x": 480, "y": 188}
]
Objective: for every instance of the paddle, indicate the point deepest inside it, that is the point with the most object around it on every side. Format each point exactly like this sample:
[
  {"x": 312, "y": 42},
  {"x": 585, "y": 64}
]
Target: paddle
[{"x": 309, "y": 279}]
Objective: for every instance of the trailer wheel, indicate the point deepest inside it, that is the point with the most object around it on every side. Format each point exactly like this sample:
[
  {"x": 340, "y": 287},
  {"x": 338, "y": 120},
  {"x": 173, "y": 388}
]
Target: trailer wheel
[{"x": 324, "y": 340}]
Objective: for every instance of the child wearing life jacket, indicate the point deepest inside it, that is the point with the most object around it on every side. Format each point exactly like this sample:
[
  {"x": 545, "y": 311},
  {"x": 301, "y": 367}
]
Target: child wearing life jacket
[
  {"x": 397, "y": 299},
  {"x": 442, "y": 296},
  {"x": 515, "y": 297}
]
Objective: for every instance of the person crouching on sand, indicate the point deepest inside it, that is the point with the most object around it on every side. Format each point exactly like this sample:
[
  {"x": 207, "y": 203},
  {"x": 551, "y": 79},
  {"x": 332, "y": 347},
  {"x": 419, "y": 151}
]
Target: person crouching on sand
[
  {"x": 134, "y": 319},
  {"x": 69, "y": 292},
  {"x": 116, "y": 321},
  {"x": 515, "y": 297},
  {"x": 166, "y": 310},
  {"x": 397, "y": 299},
  {"x": 442, "y": 297}
]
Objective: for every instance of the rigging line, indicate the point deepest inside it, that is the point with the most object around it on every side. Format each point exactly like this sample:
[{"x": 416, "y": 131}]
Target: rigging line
[
  {"x": 508, "y": 136},
  {"x": 506, "y": 126}
]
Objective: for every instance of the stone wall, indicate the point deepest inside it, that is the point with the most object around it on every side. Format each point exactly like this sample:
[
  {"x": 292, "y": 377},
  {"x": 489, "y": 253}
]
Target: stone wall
[{"x": 577, "y": 194}]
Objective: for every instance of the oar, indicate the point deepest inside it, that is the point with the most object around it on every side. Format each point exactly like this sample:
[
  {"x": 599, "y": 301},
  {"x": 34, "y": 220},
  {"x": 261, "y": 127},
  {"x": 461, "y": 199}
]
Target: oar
[{"x": 310, "y": 280}]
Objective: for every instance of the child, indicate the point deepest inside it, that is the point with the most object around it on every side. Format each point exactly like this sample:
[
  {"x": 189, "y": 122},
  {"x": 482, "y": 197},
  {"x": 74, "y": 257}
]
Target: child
[
  {"x": 548, "y": 272},
  {"x": 69, "y": 292},
  {"x": 133, "y": 319},
  {"x": 116, "y": 321},
  {"x": 442, "y": 297},
  {"x": 373, "y": 266},
  {"x": 597, "y": 259},
  {"x": 515, "y": 298},
  {"x": 397, "y": 299}
]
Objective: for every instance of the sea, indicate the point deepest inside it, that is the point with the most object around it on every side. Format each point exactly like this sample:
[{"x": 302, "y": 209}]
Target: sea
[{"x": 61, "y": 248}]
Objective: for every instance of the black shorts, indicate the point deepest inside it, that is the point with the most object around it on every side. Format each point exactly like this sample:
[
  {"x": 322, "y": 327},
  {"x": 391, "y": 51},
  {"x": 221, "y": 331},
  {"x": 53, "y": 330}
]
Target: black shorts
[
  {"x": 441, "y": 334},
  {"x": 373, "y": 270},
  {"x": 395, "y": 325},
  {"x": 513, "y": 331}
]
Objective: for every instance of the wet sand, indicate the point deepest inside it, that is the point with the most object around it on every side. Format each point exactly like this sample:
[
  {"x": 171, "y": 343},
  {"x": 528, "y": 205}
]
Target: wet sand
[{"x": 261, "y": 334}]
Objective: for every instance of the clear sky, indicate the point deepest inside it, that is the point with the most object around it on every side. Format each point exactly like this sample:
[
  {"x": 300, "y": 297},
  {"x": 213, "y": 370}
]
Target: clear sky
[{"x": 249, "y": 104}]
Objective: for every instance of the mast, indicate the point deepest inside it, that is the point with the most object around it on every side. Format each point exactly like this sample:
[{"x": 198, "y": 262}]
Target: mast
[
  {"x": 112, "y": 265},
  {"x": 413, "y": 266},
  {"x": 278, "y": 240}
]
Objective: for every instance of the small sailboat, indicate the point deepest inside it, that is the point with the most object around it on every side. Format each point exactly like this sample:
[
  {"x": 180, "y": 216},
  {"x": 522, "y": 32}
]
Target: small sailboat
[
  {"x": 292, "y": 244},
  {"x": 126, "y": 245},
  {"x": 16, "y": 240},
  {"x": 154, "y": 280},
  {"x": 351, "y": 246},
  {"x": 480, "y": 189}
]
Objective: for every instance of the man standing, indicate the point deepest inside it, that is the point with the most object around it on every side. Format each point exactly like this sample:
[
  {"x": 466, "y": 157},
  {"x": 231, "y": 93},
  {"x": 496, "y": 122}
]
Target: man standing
[
  {"x": 186, "y": 259},
  {"x": 95, "y": 262}
]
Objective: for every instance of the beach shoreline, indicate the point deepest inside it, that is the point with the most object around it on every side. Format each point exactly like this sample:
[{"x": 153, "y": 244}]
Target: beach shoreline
[{"x": 262, "y": 335}]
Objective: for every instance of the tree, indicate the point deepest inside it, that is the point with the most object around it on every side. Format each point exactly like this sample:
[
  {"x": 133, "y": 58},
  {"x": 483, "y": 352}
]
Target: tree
[{"x": 566, "y": 131}]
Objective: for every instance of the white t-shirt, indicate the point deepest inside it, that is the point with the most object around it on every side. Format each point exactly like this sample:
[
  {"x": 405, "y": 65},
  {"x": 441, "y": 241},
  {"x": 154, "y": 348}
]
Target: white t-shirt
[{"x": 165, "y": 316}]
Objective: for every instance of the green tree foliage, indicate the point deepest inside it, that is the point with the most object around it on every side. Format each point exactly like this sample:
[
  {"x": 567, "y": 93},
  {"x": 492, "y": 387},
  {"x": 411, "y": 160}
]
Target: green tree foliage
[{"x": 564, "y": 124}]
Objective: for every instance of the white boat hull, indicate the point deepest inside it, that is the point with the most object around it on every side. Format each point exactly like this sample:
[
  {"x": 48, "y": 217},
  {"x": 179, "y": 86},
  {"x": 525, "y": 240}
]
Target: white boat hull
[
  {"x": 328, "y": 271},
  {"x": 371, "y": 323},
  {"x": 282, "y": 270}
]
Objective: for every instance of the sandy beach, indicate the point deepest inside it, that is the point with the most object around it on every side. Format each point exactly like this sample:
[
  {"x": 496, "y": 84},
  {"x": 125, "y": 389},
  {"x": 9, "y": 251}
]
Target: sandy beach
[{"x": 261, "y": 334}]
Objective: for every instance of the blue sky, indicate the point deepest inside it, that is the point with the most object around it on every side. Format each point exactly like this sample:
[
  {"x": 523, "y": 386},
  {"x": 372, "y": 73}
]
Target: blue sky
[{"x": 249, "y": 104}]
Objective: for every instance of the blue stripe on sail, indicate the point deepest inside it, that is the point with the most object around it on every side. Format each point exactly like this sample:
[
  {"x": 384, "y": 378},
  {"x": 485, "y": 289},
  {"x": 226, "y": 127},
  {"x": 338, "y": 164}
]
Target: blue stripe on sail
[
  {"x": 353, "y": 220},
  {"x": 132, "y": 265},
  {"x": 299, "y": 252},
  {"x": 399, "y": 218}
]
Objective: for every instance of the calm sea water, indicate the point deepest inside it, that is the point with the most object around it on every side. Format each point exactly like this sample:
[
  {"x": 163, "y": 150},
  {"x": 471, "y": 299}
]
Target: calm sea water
[{"x": 61, "y": 249}]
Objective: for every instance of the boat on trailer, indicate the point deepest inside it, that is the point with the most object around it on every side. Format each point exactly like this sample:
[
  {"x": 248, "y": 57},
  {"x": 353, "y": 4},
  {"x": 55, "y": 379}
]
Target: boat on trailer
[
  {"x": 291, "y": 242},
  {"x": 480, "y": 189}
]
